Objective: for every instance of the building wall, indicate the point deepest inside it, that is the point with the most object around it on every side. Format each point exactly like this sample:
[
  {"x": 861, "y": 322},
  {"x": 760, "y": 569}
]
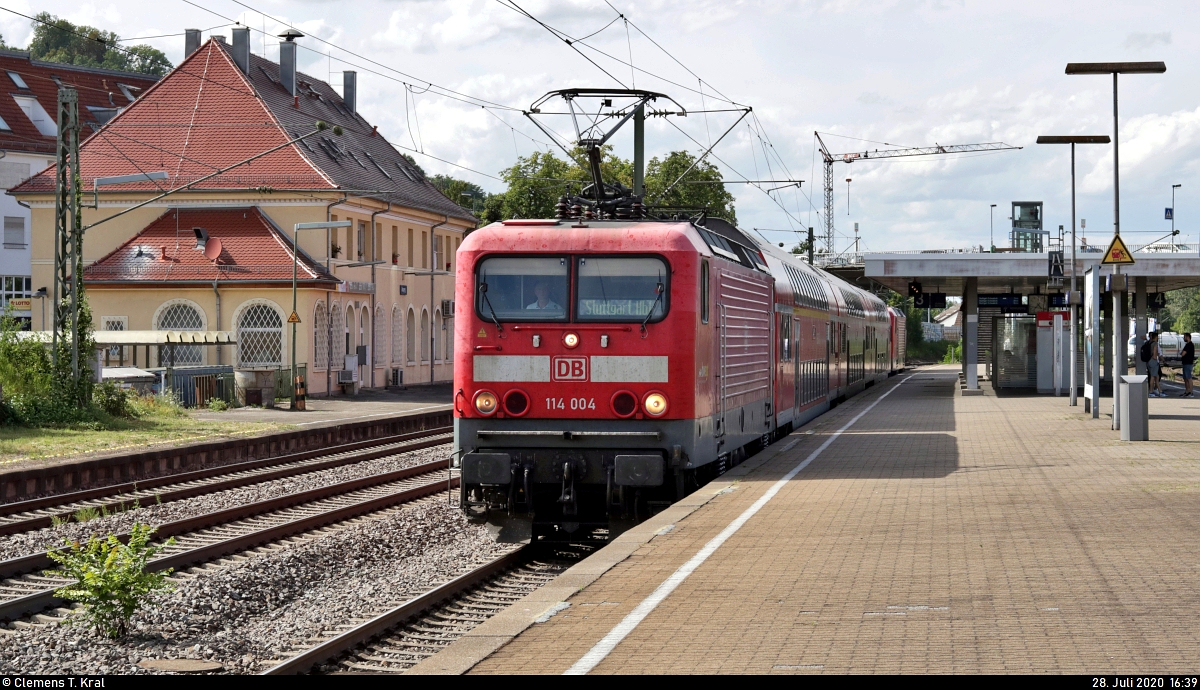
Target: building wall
[
  {"x": 401, "y": 288},
  {"x": 15, "y": 258}
]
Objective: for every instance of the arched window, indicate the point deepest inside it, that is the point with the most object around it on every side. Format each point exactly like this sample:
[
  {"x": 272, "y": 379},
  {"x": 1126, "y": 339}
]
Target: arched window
[
  {"x": 424, "y": 336},
  {"x": 364, "y": 331},
  {"x": 381, "y": 343},
  {"x": 437, "y": 320},
  {"x": 179, "y": 315},
  {"x": 338, "y": 340},
  {"x": 397, "y": 338},
  {"x": 448, "y": 339},
  {"x": 320, "y": 337},
  {"x": 259, "y": 335},
  {"x": 412, "y": 337}
]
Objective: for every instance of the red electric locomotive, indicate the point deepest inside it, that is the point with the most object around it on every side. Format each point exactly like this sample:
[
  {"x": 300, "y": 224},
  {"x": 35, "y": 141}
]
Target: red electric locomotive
[
  {"x": 605, "y": 369},
  {"x": 606, "y": 365}
]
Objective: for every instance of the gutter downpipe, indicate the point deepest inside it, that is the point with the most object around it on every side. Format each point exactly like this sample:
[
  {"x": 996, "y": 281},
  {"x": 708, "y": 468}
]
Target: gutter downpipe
[
  {"x": 432, "y": 269},
  {"x": 217, "y": 293},
  {"x": 375, "y": 287},
  {"x": 328, "y": 297}
]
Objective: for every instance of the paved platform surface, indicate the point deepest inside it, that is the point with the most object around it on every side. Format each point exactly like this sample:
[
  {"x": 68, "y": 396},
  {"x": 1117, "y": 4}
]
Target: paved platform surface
[
  {"x": 937, "y": 534},
  {"x": 367, "y": 404}
]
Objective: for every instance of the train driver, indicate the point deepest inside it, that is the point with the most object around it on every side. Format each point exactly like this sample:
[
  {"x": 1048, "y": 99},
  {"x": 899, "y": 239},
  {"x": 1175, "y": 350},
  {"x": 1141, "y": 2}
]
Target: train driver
[{"x": 542, "y": 292}]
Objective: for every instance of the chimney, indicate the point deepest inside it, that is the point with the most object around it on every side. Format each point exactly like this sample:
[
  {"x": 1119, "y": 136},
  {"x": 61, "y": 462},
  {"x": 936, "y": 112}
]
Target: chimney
[
  {"x": 350, "y": 90},
  {"x": 219, "y": 39},
  {"x": 191, "y": 41},
  {"x": 241, "y": 48},
  {"x": 287, "y": 60}
]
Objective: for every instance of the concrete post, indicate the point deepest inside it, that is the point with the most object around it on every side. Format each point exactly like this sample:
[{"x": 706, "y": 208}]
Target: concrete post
[
  {"x": 1106, "y": 335},
  {"x": 971, "y": 333},
  {"x": 1139, "y": 306}
]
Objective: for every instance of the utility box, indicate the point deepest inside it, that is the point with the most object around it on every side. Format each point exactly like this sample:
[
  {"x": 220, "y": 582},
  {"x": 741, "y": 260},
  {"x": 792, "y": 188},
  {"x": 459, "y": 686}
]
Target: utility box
[
  {"x": 1135, "y": 408},
  {"x": 1054, "y": 352}
]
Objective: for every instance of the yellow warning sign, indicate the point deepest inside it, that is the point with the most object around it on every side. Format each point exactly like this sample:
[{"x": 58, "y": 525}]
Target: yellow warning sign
[
  {"x": 482, "y": 333},
  {"x": 294, "y": 318},
  {"x": 1117, "y": 253}
]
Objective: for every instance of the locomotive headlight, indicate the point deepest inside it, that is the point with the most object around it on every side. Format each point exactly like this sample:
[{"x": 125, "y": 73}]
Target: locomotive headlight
[
  {"x": 486, "y": 402},
  {"x": 571, "y": 339},
  {"x": 655, "y": 404}
]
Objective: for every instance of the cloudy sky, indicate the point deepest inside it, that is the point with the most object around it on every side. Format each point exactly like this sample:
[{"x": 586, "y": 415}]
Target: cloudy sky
[{"x": 904, "y": 73}]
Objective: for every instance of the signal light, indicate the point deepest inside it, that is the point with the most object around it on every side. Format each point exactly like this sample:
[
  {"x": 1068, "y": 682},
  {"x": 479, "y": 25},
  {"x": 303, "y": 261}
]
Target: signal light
[
  {"x": 571, "y": 340},
  {"x": 486, "y": 403},
  {"x": 516, "y": 403},
  {"x": 624, "y": 404},
  {"x": 655, "y": 404}
]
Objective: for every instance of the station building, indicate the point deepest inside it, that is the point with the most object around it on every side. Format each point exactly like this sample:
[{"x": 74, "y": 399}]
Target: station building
[
  {"x": 381, "y": 289},
  {"x": 28, "y": 132}
]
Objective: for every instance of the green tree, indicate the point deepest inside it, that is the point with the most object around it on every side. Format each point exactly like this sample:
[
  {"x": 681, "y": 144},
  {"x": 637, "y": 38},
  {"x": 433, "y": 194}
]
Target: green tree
[
  {"x": 58, "y": 40},
  {"x": 534, "y": 184},
  {"x": 466, "y": 194},
  {"x": 1182, "y": 314},
  {"x": 700, "y": 189}
]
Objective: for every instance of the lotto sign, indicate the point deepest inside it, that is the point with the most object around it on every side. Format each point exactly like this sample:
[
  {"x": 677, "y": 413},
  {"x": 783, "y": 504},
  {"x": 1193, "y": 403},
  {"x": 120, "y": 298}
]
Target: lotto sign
[
  {"x": 21, "y": 303},
  {"x": 569, "y": 369}
]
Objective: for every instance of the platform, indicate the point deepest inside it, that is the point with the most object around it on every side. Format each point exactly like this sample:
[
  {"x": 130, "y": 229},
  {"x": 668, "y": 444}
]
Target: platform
[{"x": 936, "y": 534}]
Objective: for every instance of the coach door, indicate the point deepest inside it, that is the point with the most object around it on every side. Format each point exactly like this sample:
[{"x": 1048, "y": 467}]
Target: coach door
[
  {"x": 723, "y": 365},
  {"x": 796, "y": 326}
]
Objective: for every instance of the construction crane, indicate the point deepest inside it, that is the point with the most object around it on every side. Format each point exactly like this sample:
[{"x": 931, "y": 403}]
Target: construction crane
[{"x": 831, "y": 158}]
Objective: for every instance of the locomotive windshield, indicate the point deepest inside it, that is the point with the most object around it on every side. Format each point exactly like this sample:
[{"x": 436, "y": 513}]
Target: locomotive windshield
[
  {"x": 523, "y": 288},
  {"x": 621, "y": 289}
]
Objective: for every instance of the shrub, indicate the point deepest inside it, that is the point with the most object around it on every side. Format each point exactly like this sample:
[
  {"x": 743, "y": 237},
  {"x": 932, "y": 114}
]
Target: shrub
[
  {"x": 110, "y": 398},
  {"x": 217, "y": 405},
  {"x": 111, "y": 580}
]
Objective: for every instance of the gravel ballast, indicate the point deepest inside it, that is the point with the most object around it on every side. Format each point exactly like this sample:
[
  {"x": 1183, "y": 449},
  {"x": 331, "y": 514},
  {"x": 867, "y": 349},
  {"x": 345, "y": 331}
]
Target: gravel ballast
[
  {"x": 17, "y": 545},
  {"x": 257, "y": 609}
]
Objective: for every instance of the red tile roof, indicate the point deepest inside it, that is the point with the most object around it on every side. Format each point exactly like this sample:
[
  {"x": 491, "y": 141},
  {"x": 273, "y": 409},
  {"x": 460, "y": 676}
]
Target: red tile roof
[
  {"x": 98, "y": 88},
  {"x": 252, "y": 249},
  {"x": 202, "y": 116},
  {"x": 207, "y": 115}
]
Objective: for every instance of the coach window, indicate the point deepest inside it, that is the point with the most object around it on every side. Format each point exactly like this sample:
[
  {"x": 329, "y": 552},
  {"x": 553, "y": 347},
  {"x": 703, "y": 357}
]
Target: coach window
[
  {"x": 785, "y": 338},
  {"x": 526, "y": 288},
  {"x": 703, "y": 292},
  {"x": 621, "y": 289}
]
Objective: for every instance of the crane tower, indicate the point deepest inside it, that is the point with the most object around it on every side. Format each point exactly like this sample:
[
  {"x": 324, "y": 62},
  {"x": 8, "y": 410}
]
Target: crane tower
[{"x": 830, "y": 158}]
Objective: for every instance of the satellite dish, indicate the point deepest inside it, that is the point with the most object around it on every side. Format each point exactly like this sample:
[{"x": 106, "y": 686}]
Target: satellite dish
[{"x": 212, "y": 249}]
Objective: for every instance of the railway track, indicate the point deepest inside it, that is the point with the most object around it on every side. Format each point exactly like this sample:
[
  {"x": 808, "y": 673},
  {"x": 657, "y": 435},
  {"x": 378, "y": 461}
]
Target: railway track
[
  {"x": 40, "y": 513},
  {"x": 399, "y": 635},
  {"x": 25, "y": 590}
]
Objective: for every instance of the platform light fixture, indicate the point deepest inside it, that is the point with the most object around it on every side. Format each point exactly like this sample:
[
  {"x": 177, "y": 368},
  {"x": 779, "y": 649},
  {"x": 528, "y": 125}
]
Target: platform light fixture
[{"x": 1115, "y": 69}]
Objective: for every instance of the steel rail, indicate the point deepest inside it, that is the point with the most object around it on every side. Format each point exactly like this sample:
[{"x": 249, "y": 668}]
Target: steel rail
[
  {"x": 48, "y": 508},
  {"x": 336, "y": 646},
  {"x": 44, "y": 598}
]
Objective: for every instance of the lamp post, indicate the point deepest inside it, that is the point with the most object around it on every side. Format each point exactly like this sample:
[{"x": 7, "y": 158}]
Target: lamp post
[
  {"x": 294, "y": 318},
  {"x": 1173, "y": 188},
  {"x": 847, "y": 196},
  {"x": 992, "y": 227},
  {"x": 1117, "y": 68},
  {"x": 41, "y": 297},
  {"x": 1072, "y": 140}
]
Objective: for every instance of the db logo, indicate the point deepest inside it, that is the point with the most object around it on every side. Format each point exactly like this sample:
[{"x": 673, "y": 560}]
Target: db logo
[{"x": 569, "y": 369}]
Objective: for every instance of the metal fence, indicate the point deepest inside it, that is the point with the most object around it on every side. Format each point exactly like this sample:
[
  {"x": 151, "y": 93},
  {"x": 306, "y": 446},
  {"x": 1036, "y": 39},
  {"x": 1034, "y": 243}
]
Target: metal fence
[
  {"x": 283, "y": 379},
  {"x": 195, "y": 386}
]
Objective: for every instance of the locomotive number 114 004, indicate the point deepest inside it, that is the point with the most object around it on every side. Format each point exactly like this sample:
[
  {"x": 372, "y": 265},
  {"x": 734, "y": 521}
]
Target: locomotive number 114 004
[{"x": 572, "y": 403}]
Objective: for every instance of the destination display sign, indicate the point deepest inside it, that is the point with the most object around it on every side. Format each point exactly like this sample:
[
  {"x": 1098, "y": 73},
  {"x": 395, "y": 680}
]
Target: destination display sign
[{"x": 1008, "y": 300}]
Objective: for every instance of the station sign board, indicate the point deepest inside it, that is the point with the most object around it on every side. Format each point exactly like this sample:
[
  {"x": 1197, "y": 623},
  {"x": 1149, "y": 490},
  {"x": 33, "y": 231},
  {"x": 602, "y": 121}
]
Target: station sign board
[
  {"x": 1156, "y": 300},
  {"x": 930, "y": 300},
  {"x": 1045, "y": 319},
  {"x": 1056, "y": 264}
]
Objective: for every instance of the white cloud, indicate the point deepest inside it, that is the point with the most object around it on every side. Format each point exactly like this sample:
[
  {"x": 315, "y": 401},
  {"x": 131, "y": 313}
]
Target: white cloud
[{"x": 1142, "y": 41}]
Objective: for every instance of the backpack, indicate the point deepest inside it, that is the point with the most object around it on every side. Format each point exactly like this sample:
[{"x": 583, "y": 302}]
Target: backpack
[{"x": 1146, "y": 352}]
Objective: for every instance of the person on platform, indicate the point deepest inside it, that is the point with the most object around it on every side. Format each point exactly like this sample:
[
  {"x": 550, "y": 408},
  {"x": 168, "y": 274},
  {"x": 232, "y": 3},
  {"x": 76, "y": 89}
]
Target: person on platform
[
  {"x": 542, "y": 292},
  {"x": 1189, "y": 360},
  {"x": 1151, "y": 354}
]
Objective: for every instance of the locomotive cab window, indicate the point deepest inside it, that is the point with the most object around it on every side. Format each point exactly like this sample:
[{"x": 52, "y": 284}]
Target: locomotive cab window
[
  {"x": 522, "y": 288},
  {"x": 622, "y": 289}
]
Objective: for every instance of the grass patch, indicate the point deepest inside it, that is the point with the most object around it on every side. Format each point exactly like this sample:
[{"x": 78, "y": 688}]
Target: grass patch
[{"x": 155, "y": 425}]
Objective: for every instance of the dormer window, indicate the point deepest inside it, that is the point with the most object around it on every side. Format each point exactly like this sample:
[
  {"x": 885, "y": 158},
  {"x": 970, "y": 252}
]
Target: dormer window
[
  {"x": 4, "y": 125},
  {"x": 128, "y": 91},
  {"x": 16, "y": 79}
]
